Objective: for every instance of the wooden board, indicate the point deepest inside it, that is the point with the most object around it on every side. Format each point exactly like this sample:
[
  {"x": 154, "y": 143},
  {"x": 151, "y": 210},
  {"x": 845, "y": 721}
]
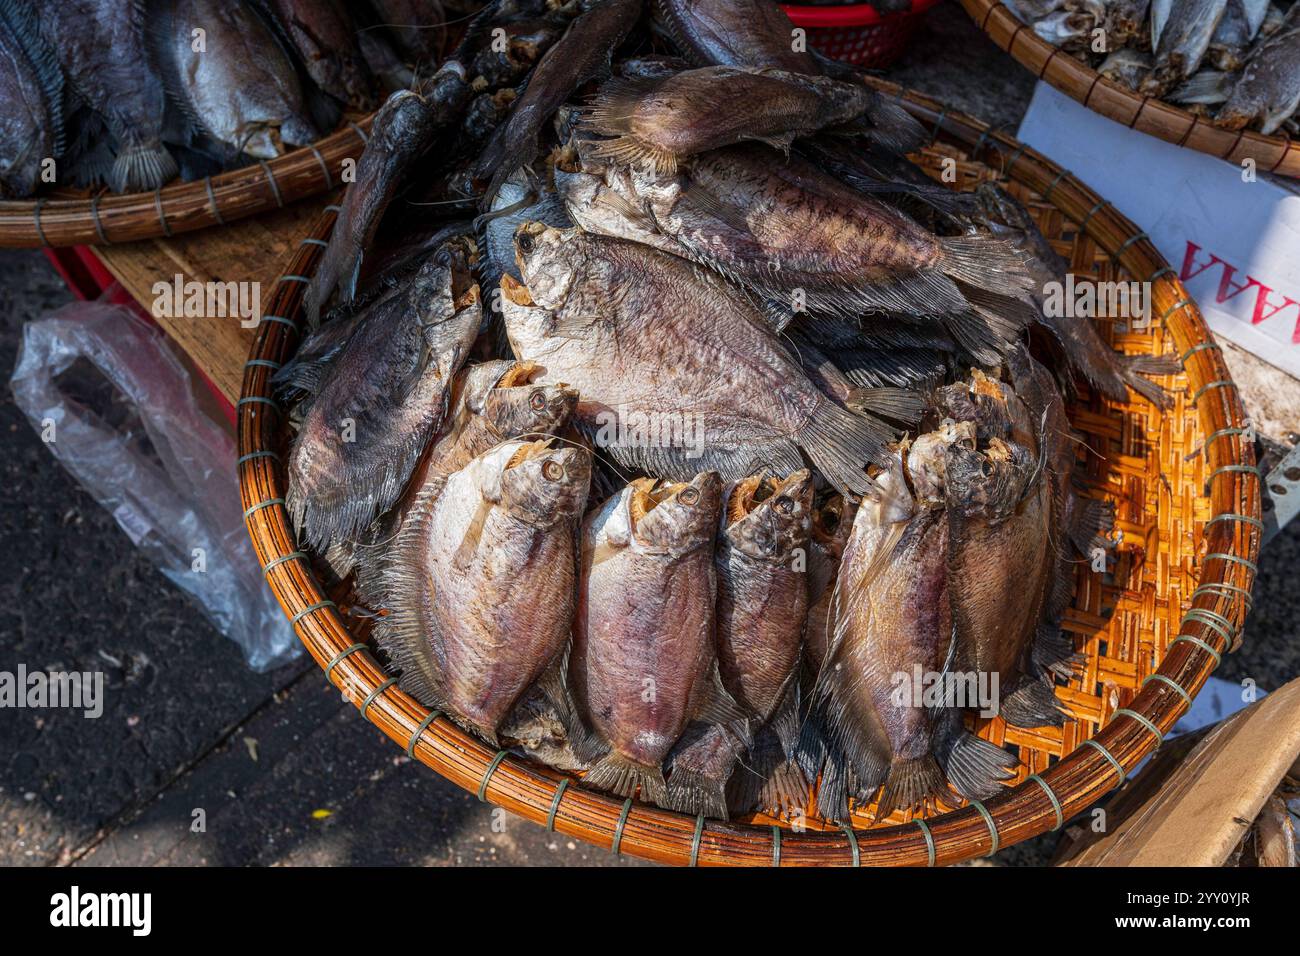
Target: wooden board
[
  {"x": 1214, "y": 792},
  {"x": 253, "y": 250}
]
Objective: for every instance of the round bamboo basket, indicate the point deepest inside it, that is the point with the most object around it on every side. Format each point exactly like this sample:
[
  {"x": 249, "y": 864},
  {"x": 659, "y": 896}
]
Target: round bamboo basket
[
  {"x": 183, "y": 207},
  {"x": 1187, "y": 495},
  {"x": 1271, "y": 154}
]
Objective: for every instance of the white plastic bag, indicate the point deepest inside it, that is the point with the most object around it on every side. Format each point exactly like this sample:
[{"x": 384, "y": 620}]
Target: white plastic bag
[{"x": 161, "y": 464}]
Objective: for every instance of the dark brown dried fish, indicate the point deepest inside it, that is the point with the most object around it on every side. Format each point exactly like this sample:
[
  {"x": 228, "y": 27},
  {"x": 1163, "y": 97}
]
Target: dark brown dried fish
[
  {"x": 381, "y": 400},
  {"x": 640, "y": 332},
  {"x": 479, "y": 586},
  {"x": 101, "y": 48},
  {"x": 657, "y": 122},
  {"x": 325, "y": 36},
  {"x": 31, "y": 101},
  {"x": 734, "y": 33},
  {"x": 786, "y": 229}
]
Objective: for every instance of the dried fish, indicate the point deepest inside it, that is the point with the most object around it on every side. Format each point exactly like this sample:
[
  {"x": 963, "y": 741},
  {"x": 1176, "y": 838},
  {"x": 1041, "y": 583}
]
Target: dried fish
[
  {"x": 480, "y": 585},
  {"x": 643, "y": 664},
  {"x": 1268, "y": 91},
  {"x": 380, "y": 400},
  {"x": 640, "y": 332}
]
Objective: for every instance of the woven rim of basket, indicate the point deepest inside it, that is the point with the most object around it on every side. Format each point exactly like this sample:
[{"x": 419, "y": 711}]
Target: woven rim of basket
[
  {"x": 1272, "y": 154},
  {"x": 184, "y": 207},
  {"x": 1042, "y": 802}
]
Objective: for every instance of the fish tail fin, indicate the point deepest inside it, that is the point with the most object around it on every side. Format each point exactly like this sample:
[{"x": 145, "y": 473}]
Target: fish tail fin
[
  {"x": 833, "y": 788},
  {"x": 893, "y": 127},
  {"x": 142, "y": 167},
  {"x": 610, "y": 114},
  {"x": 696, "y": 792},
  {"x": 770, "y": 781},
  {"x": 842, "y": 443},
  {"x": 1032, "y": 703},
  {"x": 1052, "y": 653},
  {"x": 903, "y": 405},
  {"x": 976, "y": 768},
  {"x": 987, "y": 263},
  {"x": 1134, "y": 367},
  {"x": 911, "y": 781},
  {"x": 784, "y": 791},
  {"x": 1091, "y": 523},
  {"x": 623, "y": 776}
]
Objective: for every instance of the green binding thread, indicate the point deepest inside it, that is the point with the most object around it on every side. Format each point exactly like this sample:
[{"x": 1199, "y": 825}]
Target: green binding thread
[
  {"x": 853, "y": 842},
  {"x": 338, "y": 658},
  {"x": 1225, "y": 469},
  {"x": 1217, "y": 383},
  {"x": 263, "y": 363},
  {"x": 1180, "y": 304},
  {"x": 1218, "y": 587},
  {"x": 282, "y": 320},
  {"x": 308, "y": 610},
  {"x": 1198, "y": 348},
  {"x": 1174, "y": 684},
  {"x": 1119, "y": 767},
  {"x": 776, "y": 845},
  {"x": 291, "y": 556},
  {"x": 370, "y": 698},
  {"x": 1144, "y": 721},
  {"x": 555, "y": 804},
  {"x": 1233, "y": 516},
  {"x": 256, "y": 400},
  {"x": 1201, "y": 644},
  {"x": 1047, "y": 196},
  {"x": 260, "y": 505},
  {"x": 929, "y": 841},
  {"x": 419, "y": 731},
  {"x": 1223, "y": 556},
  {"x": 293, "y": 278},
  {"x": 314, "y": 242},
  {"x": 1215, "y": 622},
  {"x": 988, "y": 818},
  {"x": 1162, "y": 271},
  {"x": 695, "y": 840},
  {"x": 618, "y": 830},
  {"x": 1136, "y": 237},
  {"x": 1092, "y": 212},
  {"x": 491, "y": 769},
  {"x": 1056, "y": 804},
  {"x": 255, "y": 454}
]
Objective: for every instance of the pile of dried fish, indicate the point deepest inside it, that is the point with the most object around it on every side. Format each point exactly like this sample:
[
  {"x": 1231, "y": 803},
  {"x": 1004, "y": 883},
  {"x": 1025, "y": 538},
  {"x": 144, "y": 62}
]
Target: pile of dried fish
[
  {"x": 1236, "y": 62},
  {"x": 680, "y": 444},
  {"x": 132, "y": 93}
]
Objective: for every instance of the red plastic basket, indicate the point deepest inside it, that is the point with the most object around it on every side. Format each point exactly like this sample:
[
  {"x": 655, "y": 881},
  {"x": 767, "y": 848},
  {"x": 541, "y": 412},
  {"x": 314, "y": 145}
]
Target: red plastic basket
[{"x": 858, "y": 33}]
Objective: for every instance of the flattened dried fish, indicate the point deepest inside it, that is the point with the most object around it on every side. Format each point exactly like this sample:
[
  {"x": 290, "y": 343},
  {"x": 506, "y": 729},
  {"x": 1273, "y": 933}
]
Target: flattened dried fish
[
  {"x": 657, "y": 122},
  {"x": 1180, "y": 36},
  {"x": 381, "y": 401},
  {"x": 101, "y": 48},
  {"x": 31, "y": 101},
  {"x": 241, "y": 88},
  {"x": 1269, "y": 88},
  {"x": 734, "y": 33},
  {"x": 761, "y": 564},
  {"x": 479, "y": 587},
  {"x": 643, "y": 664},
  {"x": 325, "y": 36},
  {"x": 783, "y": 227},
  {"x": 638, "y": 331}
]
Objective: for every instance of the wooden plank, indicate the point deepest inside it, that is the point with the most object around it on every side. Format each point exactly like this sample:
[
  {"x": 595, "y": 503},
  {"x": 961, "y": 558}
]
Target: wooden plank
[
  {"x": 1214, "y": 793},
  {"x": 253, "y": 250}
]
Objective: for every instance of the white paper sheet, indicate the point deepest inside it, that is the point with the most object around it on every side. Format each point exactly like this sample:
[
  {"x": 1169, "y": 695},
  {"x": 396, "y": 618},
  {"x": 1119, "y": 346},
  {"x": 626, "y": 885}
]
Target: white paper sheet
[{"x": 1234, "y": 244}]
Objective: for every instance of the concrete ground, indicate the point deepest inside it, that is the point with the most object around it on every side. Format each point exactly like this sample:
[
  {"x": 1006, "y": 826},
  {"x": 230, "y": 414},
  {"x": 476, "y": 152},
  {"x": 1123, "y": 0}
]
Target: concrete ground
[{"x": 197, "y": 760}]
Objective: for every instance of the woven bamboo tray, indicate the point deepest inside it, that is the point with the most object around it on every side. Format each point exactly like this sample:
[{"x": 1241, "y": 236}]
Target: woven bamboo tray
[
  {"x": 1187, "y": 493},
  {"x": 1272, "y": 154},
  {"x": 183, "y": 207}
]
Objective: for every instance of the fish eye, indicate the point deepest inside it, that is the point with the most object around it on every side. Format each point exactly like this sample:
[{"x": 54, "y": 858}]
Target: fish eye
[
  {"x": 689, "y": 496},
  {"x": 552, "y": 470},
  {"x": 525, "y": 242},
  {"x": 537, "y": 400},
  {"x": 986, "y": 468},
  {"x": 784, "y": 505}
]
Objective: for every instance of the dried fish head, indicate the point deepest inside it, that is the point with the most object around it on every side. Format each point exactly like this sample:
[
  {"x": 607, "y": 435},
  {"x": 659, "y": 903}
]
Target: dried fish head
[
  {"x": 674, "y": 518},
  {"x": 767, "y": 518},
  {"x": 991, "y": 483},
  {"x": 544, "y": 485}
]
